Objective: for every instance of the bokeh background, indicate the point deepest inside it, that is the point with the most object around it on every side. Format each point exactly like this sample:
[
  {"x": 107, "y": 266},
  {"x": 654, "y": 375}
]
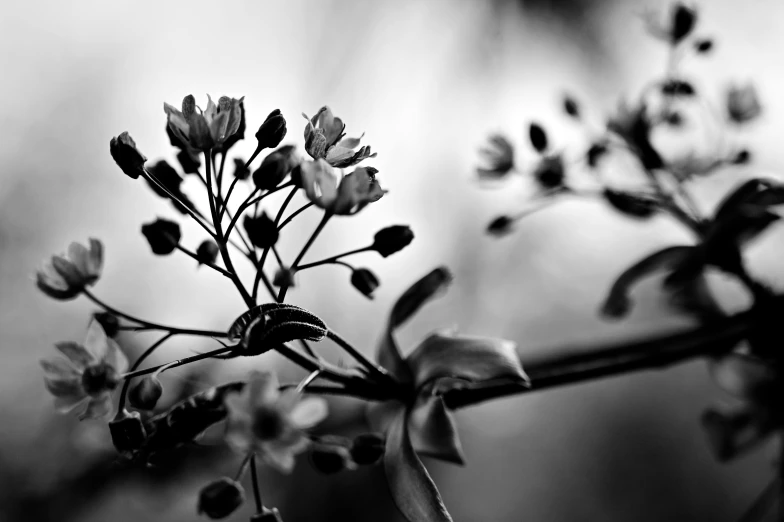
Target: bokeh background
[{"x": 426, "y": 81}]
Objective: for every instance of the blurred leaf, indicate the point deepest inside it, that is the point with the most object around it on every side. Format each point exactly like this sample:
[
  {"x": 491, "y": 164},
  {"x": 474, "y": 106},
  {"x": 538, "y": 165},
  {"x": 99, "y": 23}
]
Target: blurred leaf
[
  {"x": 617, "y": 304},
  {"x": 471, "y": 359},
  {"x": 412, "y": 489},
  {"x": 428, "y": 287}
]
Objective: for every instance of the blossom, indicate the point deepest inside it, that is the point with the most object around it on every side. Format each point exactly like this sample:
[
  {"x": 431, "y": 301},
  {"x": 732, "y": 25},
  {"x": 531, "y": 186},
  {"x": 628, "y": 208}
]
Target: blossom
[
  {"x": 66, "y": 276},
  {"x": 498, "y": 158},
  {"x": 269, "y": 422},
  {"x": 339, "y": 193},
  {"x": 85, "y": 378},
  {"x": 633, "y": 125},
  {"x": 206, "y": 129},
  {"x": 742, "y": 103},
  {"x": 126, "y": 155},
  {"x": 324, "y": 139}
]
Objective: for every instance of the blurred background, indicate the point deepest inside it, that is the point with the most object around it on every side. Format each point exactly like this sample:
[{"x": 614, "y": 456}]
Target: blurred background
[{"x": 426, "y": 81}]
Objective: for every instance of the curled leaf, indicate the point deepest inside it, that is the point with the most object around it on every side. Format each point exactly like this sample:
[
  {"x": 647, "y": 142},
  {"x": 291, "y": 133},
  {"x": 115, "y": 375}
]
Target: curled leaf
[
  {"x": 617, "y": 304},
  {"x": 412, "y": 489},
  {"x": 433, "y": 432}
]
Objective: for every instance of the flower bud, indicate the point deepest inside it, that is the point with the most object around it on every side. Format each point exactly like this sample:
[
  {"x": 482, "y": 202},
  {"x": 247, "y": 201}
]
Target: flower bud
[
  {"x": 241, "y": 172},
  {"x": 742, "y": 157},
  {"x": 144, "y": 394},
  {"x": 367, "y": 449},
  {"x": 109, "y": 322},
  {"x": 550, "y": 172},
  {"x": 683, "y": 20},
  {"x": 207, "y": 253},
  {"x": 329, "y": 460},
  {"x": 392, "y": 239},
  {"x": 284, "y": 277},
  {"x": 275, "y": 167},
  {"x": 704, "y": 45},
  {"x": 162, "y": 235},
  {"x": 538, "y": 137},
  {"x": 742, "y": 103},
  {"x": 126, "y": 155},
  {"x": 272, "y": 131},
  {"x": 500, "y": 226},
  {"x": 365, "y": 281},
  {"x": 220, "y": 498},
  {"x": 127, "y": 431},
  {"x": 261, "y": 230},
  {"x": 267, "y": 515}
]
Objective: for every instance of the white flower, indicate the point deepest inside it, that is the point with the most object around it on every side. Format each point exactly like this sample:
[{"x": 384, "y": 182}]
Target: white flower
[
  {"x": 342, "y": 194},
  {"x": 742, "y": 103},
  {"x": 65, "y": 276},
  {"x": 203, "y": 130},
  {"x": 269, "y": 422},
  {"x": 87, "y": 376}
]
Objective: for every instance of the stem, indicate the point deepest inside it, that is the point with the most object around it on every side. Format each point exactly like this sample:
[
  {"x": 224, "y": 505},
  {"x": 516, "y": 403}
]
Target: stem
[
  {"x": 142, "y": 357},
  {"x": 335, "y": 258},
  {"x": 195, "y": 214},
  {"x": 254, "y": 477},
  {"x": 153, "y": 326},
  {"x": 211, "y": 265},
  {"x": 243, "y": 467},
  {"x": 307, "y": 380},
  {"x": 294, "y": 214},
  {"x": 244, "y": 206},
  {"x": 177, "y": 363},
  {"x": 222, "y": 239},
  {"x": 311, "y": 239},
  {"x": 260, "y": 272},
  {"x": 224, "y": 206},
  {"x": 359, "y": 356},
  {"x": 582, "y": 365}
]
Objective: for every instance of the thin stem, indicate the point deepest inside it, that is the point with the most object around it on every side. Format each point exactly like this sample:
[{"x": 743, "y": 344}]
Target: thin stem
[
  {"x": 222, "y": 240},
  {"x": 260, "y": 271},
  {"x": 245, "y": 204},
  {"x": 195, "y": 214},
  {"x": 307, "y": 380},
  {"x": 137, "y": 363},
  {"x": 178, "y": 362},
  {"x": 243, "y": 467},
  {"x": 359, "y": 356},
  {"x": 211, "y": 265},
  {"x": 154, "y": 326},
  {"x": 333, "y": 259},
  {"x": 253, "y": 156},
  {"x": 225, "y": 205},
  {"x": 294, "y": 214},
  {"x": 581, "y": 365},
  {"x": 311, "y": 239},
  {"x": 254, "y": 477}
]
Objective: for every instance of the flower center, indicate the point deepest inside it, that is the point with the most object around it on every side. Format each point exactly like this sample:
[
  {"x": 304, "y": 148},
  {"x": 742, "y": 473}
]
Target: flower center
[
  {"x": 99, "y": 378},
  {"x": 268, "y": 424}
]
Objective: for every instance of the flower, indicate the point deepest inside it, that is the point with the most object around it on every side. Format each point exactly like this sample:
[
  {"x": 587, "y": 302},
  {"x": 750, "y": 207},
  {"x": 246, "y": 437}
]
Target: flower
[
  {"x": 272, "y": 131},
  {"x": 126, "y": 155},
  {"x": 756, "y": 388},
  {"x": 204, "y": 130},
  {"x": 162, "y": 235},
  {"x": 365, "y": 281},
  {"x": 338, "y": 193},
  {"x": 262, "y": 230},
  {"x": 269, "y": 422},
  {"x": 324, "y": 139},
  {"x": 207, "y": 252},
  {"x": 87, "y": 376},
  {"x": 499, "y": 158},
  {"x": 67, "y": 275},
  {"x": 633, "y": 125},
  {"x": 275, "y": 167},
  {"x": 742, "y": 103}
]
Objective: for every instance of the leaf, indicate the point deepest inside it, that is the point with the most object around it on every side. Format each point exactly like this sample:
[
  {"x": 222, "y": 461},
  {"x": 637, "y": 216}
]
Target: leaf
[
  {"x": 433, "y": 432},
  {"x": 275, "y": 313},
  {"x": 412, "y": 489},
  {"x": 428, "y": 287},
  {"x": 617, "y": 304},
  {"x": 472, "y": 359}
]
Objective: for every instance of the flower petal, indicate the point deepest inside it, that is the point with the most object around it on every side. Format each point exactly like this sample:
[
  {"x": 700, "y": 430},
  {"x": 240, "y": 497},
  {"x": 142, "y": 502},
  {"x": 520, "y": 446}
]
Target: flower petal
[
  {"x": 98, "y": 408},
  {"x": 115, "y": 357},
  {"x": 77, "y": 354},
  {"x": 432, "y": 430},
  {"x": 320, "y": 182},
  {"x": 78, "y": 254},
  {"x": 68, "y": 271},
  {"x": 473, "y": 359},
  {"x": 70, "y": 387},
  {"x": 69, "y": 403},
  {"x": 428, "y": 287},
  {"x": 95, "y": 258},
  {"x": 263, "y": 389},
  {"x": 413, "y": 491},
  {"x": 96, "y": 342},
  {"x": 308, "y": 412},
  {"x": 59, "y": 368},
  {"x": 282, "y": 460}
]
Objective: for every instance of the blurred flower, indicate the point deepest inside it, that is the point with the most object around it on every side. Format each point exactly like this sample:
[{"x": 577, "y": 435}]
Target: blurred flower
[
  {"x": 275, "y": 167},
  {"x": 338, "y": 193},
  {"x": 127, "y": 431},
  {"x": 538, "y": 137},
  {"x": 221, "y": 498},
  {"x": 207, "y": 253},
  {"x": 162, "y": 235},
  {"x": 390, "y": 240},
  {"x": 365, "y": 281},
  {"x": 65, "y": 276},
  {"x": 262, "y": 231},
  {"x": 498, "y": 156},
  {"x": 126, "y": 155},
  {"x": 324, "y": 139},
  {"x": 632, "y": 124},
  {"x": 241, "y": 172},
  {"x": 170, "y": 181},
  {"x": 549, "y": 173},
  {"x": 206, "y": 129},
  {"x": 109, "y": 322},
  {"x": 269, "y": 422},
  {"x": 758, "y": 389},
  {"x": 500, "y": 226},
  {"x": 272, "y": 131},
  {"x": 284, "y": 277},
  {"x": 681, "y": 22},
  {"x": 87, "y": 376},
  {"x": 742, "y": 103},
  {"x": 144, "y": 394}
]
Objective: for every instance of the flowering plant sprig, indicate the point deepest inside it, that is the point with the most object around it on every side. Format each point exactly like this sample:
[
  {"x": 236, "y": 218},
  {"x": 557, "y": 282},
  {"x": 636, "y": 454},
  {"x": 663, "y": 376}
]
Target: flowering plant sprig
[{"x": 744, "y": 359}]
